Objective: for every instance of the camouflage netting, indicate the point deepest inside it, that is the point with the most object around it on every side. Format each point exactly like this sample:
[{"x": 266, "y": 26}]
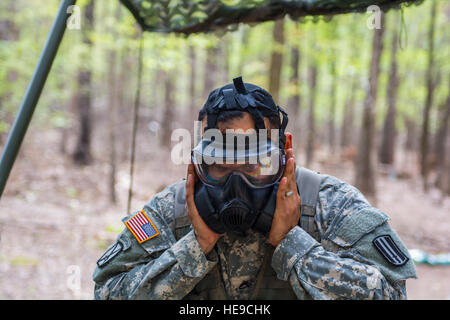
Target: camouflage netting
[{"x": 191, "y": 16}]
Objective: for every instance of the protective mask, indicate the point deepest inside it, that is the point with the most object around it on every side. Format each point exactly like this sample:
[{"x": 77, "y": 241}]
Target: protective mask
[
  {"x": 237, "y": 192},
  {"x": 240, "y": 193}
]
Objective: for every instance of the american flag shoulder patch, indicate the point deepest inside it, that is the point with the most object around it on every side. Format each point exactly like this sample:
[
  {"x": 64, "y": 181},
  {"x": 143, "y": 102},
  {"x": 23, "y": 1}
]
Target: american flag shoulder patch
[{"x": 141, "y": 227}]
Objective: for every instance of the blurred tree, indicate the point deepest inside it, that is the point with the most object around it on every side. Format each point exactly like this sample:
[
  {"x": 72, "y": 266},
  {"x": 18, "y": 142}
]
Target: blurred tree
[
  {"x": 389, "y": 132},
  {"x": 8, "y": 29},
  {"x": 113, "y": 101},
  {"x": 293, "y": 103},
  {"x": 82, "y": 154},
  {"x": 310, "y": 138},
  {"x": 431, "y": 84},
  {"x": 365, "y": 160},
  {"x": 411, "y": 134},
  {"x": 332, "y": 110},
  {"x": 223, "y": 63},
  {"x": 8, "y": 32},
  {"x": 192, "y": 80},
  {"x": 276, "y": 60},
  {"x": 168, "y": 113},
  {"x": 353, "y": 63},
  {"x": 244, "y": 41},
  {"x": 347, "y": 130},
  {"x": 441, "y": 149},
  {"x": 210, "y": 80},
  {"x": 335, "y": 61}
]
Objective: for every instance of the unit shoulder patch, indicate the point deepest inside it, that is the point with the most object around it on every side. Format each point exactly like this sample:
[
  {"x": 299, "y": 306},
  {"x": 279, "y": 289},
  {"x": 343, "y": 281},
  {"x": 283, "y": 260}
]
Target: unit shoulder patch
[
  {"x": 389, "y": 250},
  {"x": 110, "y": 253},
  {"x": 141, "y": 227}
]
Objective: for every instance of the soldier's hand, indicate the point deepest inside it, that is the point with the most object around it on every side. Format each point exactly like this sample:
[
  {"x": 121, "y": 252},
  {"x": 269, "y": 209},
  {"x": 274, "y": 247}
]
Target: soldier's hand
[
  {"x": 287, "y": 211},
  {"x": 205, "y": 236}
]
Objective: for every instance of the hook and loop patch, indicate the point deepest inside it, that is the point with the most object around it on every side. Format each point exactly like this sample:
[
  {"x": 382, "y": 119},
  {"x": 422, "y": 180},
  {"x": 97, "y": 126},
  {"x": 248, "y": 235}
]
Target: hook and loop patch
[
  {"x": 389, "y": 250},
  {"x": 110, "y": 253}
]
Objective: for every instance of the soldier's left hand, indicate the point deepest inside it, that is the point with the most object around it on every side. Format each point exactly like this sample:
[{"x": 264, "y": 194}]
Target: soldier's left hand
[
  {"x": 287, "y": 211},
  {"x": 205, "y": 236}
]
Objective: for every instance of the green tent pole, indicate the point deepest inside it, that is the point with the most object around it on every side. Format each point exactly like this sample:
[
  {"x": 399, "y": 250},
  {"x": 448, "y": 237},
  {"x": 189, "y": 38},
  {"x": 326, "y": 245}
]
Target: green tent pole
[{"x": 33, "y": 92}]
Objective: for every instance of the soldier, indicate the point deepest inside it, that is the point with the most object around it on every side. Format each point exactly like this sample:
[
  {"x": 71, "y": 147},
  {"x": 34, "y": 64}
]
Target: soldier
[{"x": 255, "y": 227}]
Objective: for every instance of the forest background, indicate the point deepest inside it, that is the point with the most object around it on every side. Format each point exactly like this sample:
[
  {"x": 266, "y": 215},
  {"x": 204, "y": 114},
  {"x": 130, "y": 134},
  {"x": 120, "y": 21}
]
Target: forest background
[{"x": 70, "y": 186}]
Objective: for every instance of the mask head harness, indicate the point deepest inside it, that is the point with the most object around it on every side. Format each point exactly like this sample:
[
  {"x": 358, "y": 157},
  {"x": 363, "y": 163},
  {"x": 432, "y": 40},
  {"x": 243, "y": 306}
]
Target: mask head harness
[{"x": 247, "y": 97}]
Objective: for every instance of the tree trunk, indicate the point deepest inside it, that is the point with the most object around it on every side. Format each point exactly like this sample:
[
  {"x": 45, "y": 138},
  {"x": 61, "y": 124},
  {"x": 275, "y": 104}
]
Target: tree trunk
[
  {"x": 113, "y": 98},
  {"x": 332, "y": 113},
  {"x": 82, "y": 154},
  {"x": 365, "y": 159},
  {"x": 411, "y": 135},
  {"x": 8, "y": 29},
  {"x": 210, "y": 75},
  {"x": 293, "y": 104},
  {"x": 224, "y": 66},
  {"x": 387, "y": 149},
  {"x": 168, "y": 114},
  {"x": 441, "y": 150},
  {"x": 445, "y": 183},
  {"x": 69, "y": 107},
  {"x": 409, "y": 163},
  {"x": 424, "y": 143},
  {"x": 8, "y": 32},
  {"x": 311, "y": 118},
  {"x": 125, "y": 102},
  {"x": 194, "y": 107},
  {"x": 244, "y": 41},
  {"x": 347, "y": 123},
  {"x": 276, "y": 60}
]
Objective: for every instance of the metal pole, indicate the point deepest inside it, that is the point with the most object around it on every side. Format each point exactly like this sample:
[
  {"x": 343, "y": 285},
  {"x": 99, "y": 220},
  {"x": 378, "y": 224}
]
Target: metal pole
[{"x": 33, "y": 93}]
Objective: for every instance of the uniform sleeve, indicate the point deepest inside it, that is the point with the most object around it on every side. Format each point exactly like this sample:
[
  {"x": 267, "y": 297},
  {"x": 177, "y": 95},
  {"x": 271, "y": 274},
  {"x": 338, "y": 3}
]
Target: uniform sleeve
[
  {"x": 355, "y": 269},
  {"x": 159, "y": 268},
  {"x": 302, "y": 261}
]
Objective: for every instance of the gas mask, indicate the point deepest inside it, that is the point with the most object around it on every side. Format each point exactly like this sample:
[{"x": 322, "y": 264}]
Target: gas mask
[
  {"x": 237, "y": 191},
  {"x": 239, "y": 175}
]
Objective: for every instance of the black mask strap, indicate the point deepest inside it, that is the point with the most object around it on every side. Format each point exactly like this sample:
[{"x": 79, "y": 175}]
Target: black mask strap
[
  {"x": 257, "y": 117},
  {"x": 283, "y": 125},
  {"x": 237, "y": 99},
  {"x": 239, "y": 85},
  {"x": 284, "y": 122},
  {"x": 212, "y": 120},
  {"x": 230, "y": 102}
]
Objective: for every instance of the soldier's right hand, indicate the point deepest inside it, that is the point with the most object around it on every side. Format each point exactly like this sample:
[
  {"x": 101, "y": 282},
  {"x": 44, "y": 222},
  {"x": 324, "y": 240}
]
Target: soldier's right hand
[{"x": 205, "y": 236}]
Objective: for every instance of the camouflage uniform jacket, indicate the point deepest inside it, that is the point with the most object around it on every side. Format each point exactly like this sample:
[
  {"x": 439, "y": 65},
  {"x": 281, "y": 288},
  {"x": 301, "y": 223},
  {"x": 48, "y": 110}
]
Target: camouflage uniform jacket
[{"x": 342, "y": 263}]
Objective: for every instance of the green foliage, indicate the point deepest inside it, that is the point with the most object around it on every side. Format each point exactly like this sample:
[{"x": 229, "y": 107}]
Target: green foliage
[
  {"x": 21, "y": 261},
  {"x": 345, "y": 41},
  {"x": 114, "y": 229}
]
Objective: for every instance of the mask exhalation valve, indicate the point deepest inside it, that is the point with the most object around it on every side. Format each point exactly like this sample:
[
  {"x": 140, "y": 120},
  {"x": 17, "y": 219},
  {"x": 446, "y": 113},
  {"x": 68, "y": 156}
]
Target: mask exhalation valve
[{"x": 234, "y": 215}]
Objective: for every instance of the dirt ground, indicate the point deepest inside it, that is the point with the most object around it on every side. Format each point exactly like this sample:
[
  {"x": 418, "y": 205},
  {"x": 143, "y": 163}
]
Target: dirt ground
[{"x": 56, "y": 219}]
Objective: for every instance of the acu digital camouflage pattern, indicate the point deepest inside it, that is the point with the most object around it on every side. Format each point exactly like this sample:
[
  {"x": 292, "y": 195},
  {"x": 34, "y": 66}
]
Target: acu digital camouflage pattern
[{"x": 343, "y": 265}]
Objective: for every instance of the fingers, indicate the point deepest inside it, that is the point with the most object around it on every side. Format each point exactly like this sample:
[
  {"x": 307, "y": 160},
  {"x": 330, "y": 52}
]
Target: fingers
[
  {"x": 289, "y": 182},
  {"x": 189, "y": 187},
  {"x": 289, "y": 153},
  {"x": 288, "y": 140},
  {"x": 190, "y": 203},
  {"x": 191, "y": 208},
  {"x": 190, "y": 182},
  {"x": 282, "y": 189},
  {"x": 191, "y": 170},
  {"x": 289, "y": 171}
]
